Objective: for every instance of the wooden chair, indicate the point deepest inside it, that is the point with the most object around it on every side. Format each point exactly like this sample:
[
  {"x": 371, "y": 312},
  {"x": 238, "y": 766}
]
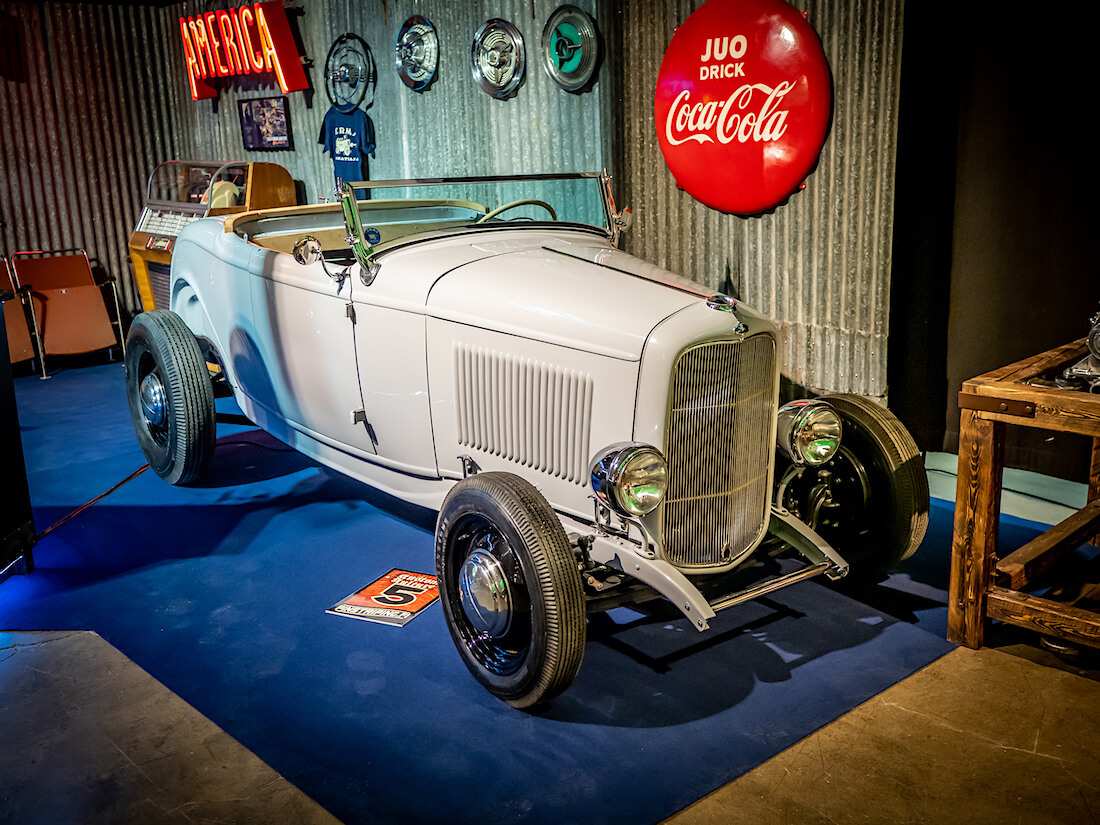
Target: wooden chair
[
  {"x": 20, "y": 346},
  {"x": 68, "y": 308}
]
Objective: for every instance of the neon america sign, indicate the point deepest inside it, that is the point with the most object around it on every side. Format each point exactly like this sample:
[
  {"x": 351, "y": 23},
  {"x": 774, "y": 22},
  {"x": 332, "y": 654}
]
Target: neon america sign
[{"x": 245, "y": 40}]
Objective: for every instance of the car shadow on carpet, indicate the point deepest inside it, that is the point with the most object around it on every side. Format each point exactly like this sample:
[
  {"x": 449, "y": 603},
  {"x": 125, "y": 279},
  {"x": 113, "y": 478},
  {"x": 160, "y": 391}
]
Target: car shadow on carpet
[{"x": 656, "y": 670}]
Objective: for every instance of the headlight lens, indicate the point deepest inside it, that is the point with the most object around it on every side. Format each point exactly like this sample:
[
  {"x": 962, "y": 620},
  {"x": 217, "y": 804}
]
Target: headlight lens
[
  {"x": 809, "y": 431},
  {"x": 630, "y": 478}
]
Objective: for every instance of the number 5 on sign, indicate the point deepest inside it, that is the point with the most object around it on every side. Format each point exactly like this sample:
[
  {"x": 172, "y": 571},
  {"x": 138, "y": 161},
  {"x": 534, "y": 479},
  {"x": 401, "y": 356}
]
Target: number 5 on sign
[{"x": 398, "y": 595}]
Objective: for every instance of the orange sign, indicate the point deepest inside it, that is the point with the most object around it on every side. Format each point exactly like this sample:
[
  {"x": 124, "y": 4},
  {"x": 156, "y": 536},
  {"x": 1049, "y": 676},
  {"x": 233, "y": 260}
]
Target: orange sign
[
  {"x": 395, "y": 598},
  {"x": 243, "y": 40}
]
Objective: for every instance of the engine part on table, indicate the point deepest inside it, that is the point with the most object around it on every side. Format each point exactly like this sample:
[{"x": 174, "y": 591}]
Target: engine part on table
[
  {"x": 1088, "y": 368},
  {"x": 497, "y": 58},
  {"x": 350, "y": 72},
  {"x": 416, "y": 53},
  {"x": 570, "y": 47}
]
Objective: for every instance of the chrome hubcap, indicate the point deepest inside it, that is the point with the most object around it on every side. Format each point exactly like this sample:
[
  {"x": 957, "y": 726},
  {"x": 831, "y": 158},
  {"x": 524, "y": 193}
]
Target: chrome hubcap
[
  {"x": 154, "y": 405},
  {"x": 486, "y": 600}
]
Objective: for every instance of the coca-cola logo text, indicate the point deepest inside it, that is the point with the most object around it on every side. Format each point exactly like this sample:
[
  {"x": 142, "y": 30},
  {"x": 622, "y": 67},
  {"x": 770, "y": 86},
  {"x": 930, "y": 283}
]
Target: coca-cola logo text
[{"x": 731, "y": 119}]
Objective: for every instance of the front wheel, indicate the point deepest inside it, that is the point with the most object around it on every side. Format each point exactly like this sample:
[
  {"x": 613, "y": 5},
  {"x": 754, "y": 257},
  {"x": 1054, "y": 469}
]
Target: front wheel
[
  {"x": 510, "y": 588},
  {"x": 170, "y": 396},
  {"x": 870, "y": 501}
]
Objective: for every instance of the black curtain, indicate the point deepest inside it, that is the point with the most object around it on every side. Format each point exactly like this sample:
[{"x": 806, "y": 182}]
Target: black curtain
[{"x": 996, "y": 233}]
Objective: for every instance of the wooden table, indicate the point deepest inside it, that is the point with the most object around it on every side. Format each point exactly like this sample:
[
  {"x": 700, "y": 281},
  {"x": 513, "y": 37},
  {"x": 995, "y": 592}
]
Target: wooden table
[{"x": 982, "y": 586}]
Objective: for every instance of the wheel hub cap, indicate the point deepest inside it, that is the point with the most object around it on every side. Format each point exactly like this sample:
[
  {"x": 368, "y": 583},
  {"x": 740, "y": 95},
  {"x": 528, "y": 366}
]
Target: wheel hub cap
[
  {"x": 154, "y": 405},
  {"x": 484, "y": 591}
]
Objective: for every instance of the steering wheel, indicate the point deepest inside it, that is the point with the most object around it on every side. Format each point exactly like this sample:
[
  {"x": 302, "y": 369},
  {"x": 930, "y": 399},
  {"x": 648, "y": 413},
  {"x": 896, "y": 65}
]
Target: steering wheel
[{"x": 513, "y": 204}]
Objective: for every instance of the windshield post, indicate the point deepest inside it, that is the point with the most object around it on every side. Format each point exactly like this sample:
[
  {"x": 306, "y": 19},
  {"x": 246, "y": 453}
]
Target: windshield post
[
  {"x": 617, "y": 222},
  {"x": 364, "y": 252}
]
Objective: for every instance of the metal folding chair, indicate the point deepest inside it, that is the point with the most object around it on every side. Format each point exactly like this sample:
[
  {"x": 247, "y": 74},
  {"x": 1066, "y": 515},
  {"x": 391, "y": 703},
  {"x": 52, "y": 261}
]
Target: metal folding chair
[
  {"x": 68, "y": 308},
  {"x": 21, "y": 347}
]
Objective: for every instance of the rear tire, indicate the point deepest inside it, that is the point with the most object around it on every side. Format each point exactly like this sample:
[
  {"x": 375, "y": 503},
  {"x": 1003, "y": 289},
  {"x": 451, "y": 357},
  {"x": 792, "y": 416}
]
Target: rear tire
[
  {"x": 510, "y": 588},
  {"x": 170, "y": 396}
]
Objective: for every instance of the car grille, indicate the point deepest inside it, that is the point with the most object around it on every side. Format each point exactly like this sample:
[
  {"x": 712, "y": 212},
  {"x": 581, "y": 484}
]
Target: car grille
[{"x": 719, "y": 450}]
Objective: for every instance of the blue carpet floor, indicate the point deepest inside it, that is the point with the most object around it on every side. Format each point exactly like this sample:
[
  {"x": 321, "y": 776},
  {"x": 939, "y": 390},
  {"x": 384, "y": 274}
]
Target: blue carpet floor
[{"x": 220, "y": 591}]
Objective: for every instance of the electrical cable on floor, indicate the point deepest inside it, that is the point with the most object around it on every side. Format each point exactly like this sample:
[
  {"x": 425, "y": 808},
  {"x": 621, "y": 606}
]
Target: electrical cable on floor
[{"x": 84, "y": 507}]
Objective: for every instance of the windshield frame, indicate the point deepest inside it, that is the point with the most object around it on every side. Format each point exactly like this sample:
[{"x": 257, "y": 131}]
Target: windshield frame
[{"x": 602, "y": 177}]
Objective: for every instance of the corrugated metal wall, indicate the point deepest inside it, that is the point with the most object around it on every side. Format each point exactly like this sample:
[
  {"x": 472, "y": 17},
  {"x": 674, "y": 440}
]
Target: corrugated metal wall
[
  {"x": 92, "y": 97},
  {"x": 80, "y": 126},
  {"x": 451, "y": 128},
  {"x": 97, "y": 96},
  {"x": 820, "y": 264}
]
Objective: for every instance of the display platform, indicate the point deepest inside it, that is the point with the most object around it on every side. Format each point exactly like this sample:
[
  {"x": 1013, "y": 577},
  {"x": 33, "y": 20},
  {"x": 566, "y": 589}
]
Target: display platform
[{"x": 221, "y": 591}]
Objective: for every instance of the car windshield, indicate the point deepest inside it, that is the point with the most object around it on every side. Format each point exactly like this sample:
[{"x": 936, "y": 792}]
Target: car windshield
[
  {"x": 188, "y": 182},
  {"x": 496, "y": 201}
]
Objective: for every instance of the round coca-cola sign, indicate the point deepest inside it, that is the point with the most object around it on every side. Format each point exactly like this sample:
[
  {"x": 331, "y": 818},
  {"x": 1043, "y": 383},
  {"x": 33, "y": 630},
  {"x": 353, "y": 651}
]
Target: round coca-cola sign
[{"x": 743, "y": 103}]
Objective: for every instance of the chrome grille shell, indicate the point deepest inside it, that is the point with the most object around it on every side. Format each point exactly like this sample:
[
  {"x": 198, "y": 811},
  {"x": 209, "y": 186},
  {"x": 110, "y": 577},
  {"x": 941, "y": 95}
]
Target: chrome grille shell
[{"x": 719, "y": 443}]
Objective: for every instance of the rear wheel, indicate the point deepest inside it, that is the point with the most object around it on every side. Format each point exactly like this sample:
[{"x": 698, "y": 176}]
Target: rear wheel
[
  {"x": 170, "y": 396},
  {"x": 510, "y": 588},
  {"x": 870, "y": 501}
]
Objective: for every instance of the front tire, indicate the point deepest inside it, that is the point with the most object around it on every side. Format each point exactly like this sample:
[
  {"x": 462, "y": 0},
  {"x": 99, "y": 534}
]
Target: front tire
[
  {"x": 510, "y": 588},
  {"x": 170, "y": 396},
  {"x": 870, "y": 501}
]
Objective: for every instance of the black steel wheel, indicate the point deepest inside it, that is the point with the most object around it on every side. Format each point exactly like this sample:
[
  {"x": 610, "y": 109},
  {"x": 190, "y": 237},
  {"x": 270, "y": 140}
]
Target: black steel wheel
[
  {"x": 510, "y": 588},
  {"x": 870, "y": 501},
  {"x": 350, "y": 72},
  {"x": 170, "y": 396}
]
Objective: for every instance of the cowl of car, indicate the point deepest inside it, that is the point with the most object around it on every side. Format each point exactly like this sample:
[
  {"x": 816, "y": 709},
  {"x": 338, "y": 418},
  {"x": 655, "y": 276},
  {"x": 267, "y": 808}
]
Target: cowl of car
[{"x": 594, "y": 431}]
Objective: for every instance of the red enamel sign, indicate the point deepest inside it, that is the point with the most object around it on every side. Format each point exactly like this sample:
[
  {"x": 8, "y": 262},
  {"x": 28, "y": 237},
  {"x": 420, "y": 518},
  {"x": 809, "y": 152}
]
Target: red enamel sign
[
  {"x": 241, "y": 40},
  {"x": 743, "y": 104}
]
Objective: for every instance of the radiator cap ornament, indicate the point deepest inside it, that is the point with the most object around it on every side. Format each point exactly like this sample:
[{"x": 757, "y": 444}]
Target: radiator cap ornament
[
  {"x": 743, "y": 101},
  {"x": 723, "y": 303}
]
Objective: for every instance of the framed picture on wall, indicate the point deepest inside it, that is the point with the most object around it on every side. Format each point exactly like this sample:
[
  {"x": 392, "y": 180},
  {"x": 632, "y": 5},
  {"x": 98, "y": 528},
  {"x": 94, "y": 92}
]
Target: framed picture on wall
[{"x": 265, "y": 123}]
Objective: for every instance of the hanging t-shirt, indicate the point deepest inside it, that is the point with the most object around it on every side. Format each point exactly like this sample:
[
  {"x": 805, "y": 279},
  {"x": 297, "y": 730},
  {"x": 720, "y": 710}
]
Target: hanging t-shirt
[{"x": 348, "y": 137}]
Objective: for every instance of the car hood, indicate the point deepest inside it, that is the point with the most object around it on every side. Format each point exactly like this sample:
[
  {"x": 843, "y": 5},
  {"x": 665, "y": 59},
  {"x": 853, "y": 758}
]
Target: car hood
[{"x": 590, "y": 298}]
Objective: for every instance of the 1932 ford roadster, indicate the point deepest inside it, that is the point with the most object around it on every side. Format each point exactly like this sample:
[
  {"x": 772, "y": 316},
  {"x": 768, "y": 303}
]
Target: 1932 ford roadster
[{"x": 593, "y": 430}]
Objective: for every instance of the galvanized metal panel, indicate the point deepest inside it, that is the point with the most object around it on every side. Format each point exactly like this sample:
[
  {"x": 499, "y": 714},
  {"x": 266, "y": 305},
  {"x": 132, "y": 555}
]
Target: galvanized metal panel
[
  {"x": 101, "y": 97},
  {"x": 819, "y": 264},
  {"x": 80, "y": 128},
  {"x": 105, "y": 99}
]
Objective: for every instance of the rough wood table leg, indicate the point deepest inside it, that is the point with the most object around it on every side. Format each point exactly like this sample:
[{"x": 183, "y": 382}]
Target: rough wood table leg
[
  {"x": 977, "y": 510},
  {"x": 1094, "y": 481}
]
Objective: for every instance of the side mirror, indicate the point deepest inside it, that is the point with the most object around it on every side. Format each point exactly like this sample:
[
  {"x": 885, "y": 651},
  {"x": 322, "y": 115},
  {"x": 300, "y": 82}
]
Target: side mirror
[
  {"x": 624, "y": 219},
  {"x": 307, "y": 250}
]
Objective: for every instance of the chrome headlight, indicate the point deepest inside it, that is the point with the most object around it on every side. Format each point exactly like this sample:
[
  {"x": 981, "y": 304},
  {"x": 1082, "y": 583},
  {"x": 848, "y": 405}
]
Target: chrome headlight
[
  {"x": 809, "y": 431},
  {"x": 630, "y": 478}
]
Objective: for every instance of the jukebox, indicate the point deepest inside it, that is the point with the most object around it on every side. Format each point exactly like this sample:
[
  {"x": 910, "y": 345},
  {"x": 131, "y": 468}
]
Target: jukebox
[{"x": 181, "y": 191}]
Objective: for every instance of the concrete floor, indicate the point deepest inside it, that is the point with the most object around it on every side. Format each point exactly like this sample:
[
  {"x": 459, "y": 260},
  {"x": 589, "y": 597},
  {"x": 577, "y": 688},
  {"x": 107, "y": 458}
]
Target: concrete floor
[
  {"x": 978, "y": 736},
  {"x": 86, "y": 736}
]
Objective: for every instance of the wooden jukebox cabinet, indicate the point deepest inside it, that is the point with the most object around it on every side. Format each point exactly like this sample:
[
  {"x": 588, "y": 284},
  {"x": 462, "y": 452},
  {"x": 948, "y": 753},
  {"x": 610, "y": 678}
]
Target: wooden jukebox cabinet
[{"x": 182, "y": 191}]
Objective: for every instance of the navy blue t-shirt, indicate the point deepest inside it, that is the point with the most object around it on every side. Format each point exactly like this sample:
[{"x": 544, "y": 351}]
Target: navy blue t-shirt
[{"x": 348, "y": 137}]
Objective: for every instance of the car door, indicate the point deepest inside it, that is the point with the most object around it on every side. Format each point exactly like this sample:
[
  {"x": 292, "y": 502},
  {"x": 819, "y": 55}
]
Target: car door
[{"x": 305, "y": 354}]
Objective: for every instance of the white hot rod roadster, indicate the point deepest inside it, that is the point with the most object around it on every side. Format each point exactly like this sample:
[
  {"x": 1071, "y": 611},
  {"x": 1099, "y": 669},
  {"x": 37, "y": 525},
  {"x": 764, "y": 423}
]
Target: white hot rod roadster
[{"x": 593, "y": 430}]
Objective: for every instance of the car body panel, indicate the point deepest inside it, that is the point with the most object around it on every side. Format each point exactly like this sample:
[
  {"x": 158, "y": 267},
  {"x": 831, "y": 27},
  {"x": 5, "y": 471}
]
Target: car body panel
[
  {"x": 547, "y": 296},
  {"x": 521, "y": 347}
]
